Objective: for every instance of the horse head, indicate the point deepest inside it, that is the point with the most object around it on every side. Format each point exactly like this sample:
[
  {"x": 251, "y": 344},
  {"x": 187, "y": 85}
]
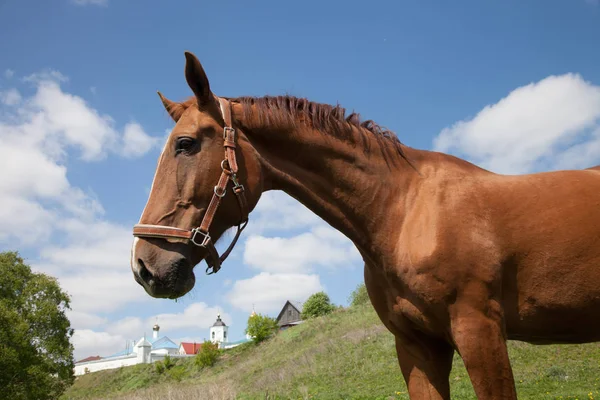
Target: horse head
[{"x": 207, "y": 180}]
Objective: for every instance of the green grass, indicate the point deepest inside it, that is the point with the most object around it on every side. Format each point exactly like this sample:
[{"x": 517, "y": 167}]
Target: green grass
[{"x": 346, "y": 355}]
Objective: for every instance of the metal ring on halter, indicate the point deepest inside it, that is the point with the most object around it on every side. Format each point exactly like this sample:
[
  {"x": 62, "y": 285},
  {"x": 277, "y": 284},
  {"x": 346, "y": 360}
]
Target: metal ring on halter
[
  {"x": 224, "y": 191},
  {"x": 223, "y": 166}
]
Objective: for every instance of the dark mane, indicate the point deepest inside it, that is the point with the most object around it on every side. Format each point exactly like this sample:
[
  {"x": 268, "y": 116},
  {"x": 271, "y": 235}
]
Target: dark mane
[{"x": 324, "y": 117}]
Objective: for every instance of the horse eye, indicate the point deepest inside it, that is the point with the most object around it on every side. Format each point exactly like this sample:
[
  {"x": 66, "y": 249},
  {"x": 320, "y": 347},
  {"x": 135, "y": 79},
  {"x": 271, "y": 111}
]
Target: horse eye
[{"x": 184, "y": 144}]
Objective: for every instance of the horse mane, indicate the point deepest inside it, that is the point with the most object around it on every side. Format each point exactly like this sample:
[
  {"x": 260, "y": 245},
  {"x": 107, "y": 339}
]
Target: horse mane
[{"x": 323, "y": 117}]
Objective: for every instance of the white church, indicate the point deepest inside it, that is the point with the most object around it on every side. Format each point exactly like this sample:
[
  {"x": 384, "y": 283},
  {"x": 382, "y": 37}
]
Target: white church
[{"x": 146, "y": 350}]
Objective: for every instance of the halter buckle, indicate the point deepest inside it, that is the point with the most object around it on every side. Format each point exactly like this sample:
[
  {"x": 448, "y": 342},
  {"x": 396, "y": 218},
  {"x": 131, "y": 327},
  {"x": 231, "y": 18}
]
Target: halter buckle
[
  {"x": 205, "y": 240},
  {"x": 228, "y": 129}
]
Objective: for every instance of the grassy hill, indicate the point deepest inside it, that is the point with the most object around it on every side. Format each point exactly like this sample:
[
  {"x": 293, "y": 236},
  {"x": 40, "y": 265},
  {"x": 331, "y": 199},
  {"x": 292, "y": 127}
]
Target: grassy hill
[{"x": 346, "y": 355}]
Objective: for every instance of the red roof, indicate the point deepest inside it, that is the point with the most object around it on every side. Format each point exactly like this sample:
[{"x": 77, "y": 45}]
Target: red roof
[
  {"x": 90, "y": 358},
  {"x": 191, "y": 348}
]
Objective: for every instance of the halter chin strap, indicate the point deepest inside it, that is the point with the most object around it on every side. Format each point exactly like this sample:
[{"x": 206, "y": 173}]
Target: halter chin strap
[{"x": 200, "y": 236}]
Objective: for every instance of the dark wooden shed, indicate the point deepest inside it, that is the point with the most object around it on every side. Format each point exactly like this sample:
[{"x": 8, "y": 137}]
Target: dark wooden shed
[{"x": 290, "y": 314}]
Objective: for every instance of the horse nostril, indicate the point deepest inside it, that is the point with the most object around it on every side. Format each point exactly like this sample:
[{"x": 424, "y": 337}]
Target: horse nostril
[{"x": 144, "y": 273}]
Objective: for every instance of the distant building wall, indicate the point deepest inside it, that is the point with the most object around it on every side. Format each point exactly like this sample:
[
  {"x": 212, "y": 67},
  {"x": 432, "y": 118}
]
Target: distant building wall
[
  {"x": 118, "y": 362},
  {"x": 99, "y": 365}
]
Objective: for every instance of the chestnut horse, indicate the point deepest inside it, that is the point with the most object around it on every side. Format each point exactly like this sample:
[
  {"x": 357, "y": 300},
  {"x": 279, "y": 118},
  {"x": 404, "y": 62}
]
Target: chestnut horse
[{"x": 457, "y": 258}]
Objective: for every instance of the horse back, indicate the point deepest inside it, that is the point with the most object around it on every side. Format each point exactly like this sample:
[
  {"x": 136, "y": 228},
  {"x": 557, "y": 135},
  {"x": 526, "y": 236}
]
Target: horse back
[{"x": 547, "y": 226}]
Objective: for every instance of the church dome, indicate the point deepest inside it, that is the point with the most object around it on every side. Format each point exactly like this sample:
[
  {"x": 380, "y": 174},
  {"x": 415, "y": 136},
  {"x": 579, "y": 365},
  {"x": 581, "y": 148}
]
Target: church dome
[{"x": 219, "y": 322}]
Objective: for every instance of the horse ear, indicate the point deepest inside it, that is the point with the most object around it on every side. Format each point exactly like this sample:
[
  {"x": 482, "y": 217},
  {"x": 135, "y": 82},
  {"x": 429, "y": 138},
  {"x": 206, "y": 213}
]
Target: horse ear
[
  {"x": 196, "y": 78},
  {"x": 175, "y": 110}
]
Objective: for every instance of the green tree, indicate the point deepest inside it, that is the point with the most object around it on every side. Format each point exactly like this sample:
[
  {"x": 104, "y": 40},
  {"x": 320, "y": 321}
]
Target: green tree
[
  {"x": 261, "y": 327},
  {"x": 316, "y": 305},
  {"x": 208, "y": 355},
  {"x": 36, "y": 356},
  {"x": 359, "y": 296}
]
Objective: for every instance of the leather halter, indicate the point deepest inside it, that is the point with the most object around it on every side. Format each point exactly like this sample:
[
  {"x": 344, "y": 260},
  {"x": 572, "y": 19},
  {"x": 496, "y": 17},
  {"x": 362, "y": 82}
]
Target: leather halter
[{"x": 200, "y": 235}]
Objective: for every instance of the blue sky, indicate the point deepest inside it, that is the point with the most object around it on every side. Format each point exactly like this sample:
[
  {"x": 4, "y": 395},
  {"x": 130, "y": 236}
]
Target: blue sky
[{"x": 510, "y": 85}]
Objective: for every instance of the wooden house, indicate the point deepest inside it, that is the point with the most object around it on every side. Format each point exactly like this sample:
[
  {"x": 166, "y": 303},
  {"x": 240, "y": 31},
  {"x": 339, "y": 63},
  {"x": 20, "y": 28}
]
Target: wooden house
[{"x": 290, "y": 315}]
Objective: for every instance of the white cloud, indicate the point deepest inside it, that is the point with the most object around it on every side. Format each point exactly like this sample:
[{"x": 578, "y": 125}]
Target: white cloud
[
  {"x": 74, "y": 122},
  {"x": 322, "y": 247},
  {"x": 196, "y": 316},
  {"x": 82, "y": 320},
  {"x": 90, "y": 343},
  {"x": 23, "y": 220},
  {"x": 582, "y": 155},
  {"x": 31, "y": 172},
  {"x": 268, "y": 292},
  {"x": 9, "y": 73},
  {"x": 556, "y": 118},
  {"x": 316, "y": 245},
  {"x": 90, "y": 2},
  {"x": 98, "y": 246},
  {"x": 277, "y": 211},
  {"x": 136, "y": 142},
  {"x": 131, "y": 327},
  {"x": 34, "y": 141},
  {"x": 102, "y": 291},
  {"x": 10, "y": 97},
  {"x": 46, "y": 75}
]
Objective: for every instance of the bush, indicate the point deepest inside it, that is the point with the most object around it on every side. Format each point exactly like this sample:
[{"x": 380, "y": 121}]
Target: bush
[
  {"x": 317, "y": 305},
  {"x": 261, "y": 327},
  {"x": 359, "y": 296},
  {"x": 208, "y": 355},
  {"x": 177, "y": 373},
  {"x": 159, "y": 367},
  {"x": 166, "y": 364},
  {"x": 168, "y": 361}
]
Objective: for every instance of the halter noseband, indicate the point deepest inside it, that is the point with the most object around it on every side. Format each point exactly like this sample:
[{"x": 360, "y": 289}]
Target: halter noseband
[{"x": 200, "y": 236}]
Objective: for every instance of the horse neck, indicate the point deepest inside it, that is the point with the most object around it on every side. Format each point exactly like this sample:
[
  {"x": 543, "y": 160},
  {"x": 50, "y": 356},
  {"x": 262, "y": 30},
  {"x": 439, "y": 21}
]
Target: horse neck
[{"x": 357, "y": 183}]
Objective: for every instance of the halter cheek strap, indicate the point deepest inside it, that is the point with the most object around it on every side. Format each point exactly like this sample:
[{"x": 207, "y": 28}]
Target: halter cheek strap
[{"x": 200, "y": 236}]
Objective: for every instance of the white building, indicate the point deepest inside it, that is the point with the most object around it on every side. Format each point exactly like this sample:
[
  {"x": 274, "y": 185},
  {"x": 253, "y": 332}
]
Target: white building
[
  {"x": 218, "y": 332},
  {"x": 144, "y": 351}
]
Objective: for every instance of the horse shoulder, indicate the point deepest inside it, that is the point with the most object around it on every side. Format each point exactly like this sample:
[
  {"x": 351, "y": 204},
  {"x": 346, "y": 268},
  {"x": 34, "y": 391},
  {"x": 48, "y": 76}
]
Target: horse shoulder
[
  {"x": 442, "y": 243},
  {"x": 445, "y": 242},
  {"x": 447, "y": 224}
]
